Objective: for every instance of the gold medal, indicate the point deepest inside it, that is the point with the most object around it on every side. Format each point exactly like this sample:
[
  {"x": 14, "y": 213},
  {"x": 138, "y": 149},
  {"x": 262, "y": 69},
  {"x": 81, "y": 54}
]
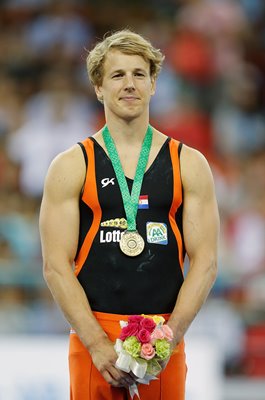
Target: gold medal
[{"x": 132, "y": 243}]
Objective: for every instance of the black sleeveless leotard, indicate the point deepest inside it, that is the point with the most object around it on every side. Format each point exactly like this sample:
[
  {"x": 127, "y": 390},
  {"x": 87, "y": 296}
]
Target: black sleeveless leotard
[{"x": 116, "y": 283}]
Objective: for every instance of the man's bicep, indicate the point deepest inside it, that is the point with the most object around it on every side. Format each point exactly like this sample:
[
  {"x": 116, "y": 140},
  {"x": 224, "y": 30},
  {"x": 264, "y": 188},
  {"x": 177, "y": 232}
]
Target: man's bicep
[
  {"x": 200, "y": 213},
  {"x": 59, "y": 225},
  {"x": 59, "y": 215},
  {"x": 200, "y": 227}
]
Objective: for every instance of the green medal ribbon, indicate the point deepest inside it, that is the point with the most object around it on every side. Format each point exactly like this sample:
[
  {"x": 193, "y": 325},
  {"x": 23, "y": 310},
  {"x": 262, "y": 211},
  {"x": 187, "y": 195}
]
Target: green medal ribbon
[{"x": 130, "y": 201}]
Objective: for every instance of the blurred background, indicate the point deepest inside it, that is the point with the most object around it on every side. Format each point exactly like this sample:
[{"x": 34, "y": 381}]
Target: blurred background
[{"x": 210, "y": 95}]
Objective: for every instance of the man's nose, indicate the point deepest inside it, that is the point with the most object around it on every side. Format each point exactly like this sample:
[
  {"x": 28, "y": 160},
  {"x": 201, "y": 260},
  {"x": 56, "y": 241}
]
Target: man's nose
[{"x": 129, "y": 82}]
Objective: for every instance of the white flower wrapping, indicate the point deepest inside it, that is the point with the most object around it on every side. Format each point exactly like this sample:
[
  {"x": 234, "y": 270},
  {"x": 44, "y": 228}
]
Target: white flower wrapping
[
  {"x": 127, "y": 363},
  {"x": 143, "y": 342}
]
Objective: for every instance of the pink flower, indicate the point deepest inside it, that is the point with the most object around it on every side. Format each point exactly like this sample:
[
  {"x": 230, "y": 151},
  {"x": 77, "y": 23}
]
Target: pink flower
[
  {"x": 147, "y": 351},
  {"x": 144, "y": 336},
  {"x": 157, "y": 334},
  {"x": 168, "y": 333},
  {"x": 148, "y": 323},
  {"x": 129, "y": 330},
  {"x": 135, "y": 318}
]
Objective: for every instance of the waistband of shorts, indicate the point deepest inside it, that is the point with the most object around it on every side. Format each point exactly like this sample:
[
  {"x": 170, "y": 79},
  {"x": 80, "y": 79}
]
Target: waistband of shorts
[{"x": 118, "y": 317}]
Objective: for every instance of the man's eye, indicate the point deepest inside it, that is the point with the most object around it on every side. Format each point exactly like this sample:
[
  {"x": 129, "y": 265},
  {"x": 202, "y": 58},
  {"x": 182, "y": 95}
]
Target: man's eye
[{"x": 117, "y": 75}]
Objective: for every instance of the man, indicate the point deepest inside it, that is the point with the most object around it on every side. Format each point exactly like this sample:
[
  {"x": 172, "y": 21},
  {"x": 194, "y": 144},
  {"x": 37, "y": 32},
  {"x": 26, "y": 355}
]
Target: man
[{"x": 119, "y": 212}]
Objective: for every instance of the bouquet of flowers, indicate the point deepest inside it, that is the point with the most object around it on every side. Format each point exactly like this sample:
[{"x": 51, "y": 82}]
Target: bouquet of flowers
[{"x": 144, "y": 341}]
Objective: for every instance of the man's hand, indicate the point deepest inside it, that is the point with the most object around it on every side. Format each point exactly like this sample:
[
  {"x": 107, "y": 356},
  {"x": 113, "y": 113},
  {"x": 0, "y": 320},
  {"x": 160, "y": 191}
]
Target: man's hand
[{"x": 104, "y": 358}]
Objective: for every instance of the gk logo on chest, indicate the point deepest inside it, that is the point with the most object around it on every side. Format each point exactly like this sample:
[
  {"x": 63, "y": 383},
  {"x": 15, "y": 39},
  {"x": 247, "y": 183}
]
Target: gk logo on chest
[{"x": 106, "y": 181}]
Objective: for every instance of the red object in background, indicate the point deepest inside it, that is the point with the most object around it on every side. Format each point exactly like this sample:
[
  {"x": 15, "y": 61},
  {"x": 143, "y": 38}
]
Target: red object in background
[
  {"x": 191, "y": 55},
  {"x": 254, "y": 358},
  {"x": 191, "y": 127}
]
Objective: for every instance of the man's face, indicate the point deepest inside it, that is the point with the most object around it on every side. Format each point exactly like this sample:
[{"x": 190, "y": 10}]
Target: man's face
[{"x": 126, "y": 86}]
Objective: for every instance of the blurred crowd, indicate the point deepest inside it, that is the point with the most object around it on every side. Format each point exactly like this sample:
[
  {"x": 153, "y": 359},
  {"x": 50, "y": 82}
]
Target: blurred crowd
[{"x": 210, "y": 95}]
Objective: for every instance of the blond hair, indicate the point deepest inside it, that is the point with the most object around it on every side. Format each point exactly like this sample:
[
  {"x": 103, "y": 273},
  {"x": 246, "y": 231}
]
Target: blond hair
[{"x": 127, "y": 42}]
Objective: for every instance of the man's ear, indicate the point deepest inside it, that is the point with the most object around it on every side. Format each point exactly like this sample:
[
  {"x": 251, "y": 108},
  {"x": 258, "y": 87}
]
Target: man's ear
[
  {"x": 153, "y": 86},
  {"x": 99, "y": 94}
]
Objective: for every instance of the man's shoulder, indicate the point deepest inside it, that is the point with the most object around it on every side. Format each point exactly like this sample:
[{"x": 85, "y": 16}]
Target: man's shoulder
[
  {"x": 195, "y": 169},
  {"x": 68, "y": 157},
  {"x": 191, "y": 155},
  {"x": 67, "y": 168}
]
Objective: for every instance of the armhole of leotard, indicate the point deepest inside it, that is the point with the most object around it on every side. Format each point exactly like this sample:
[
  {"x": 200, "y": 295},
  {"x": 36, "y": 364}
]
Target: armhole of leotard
[
  {"x": 86, "y": 161},
  {"x": 182, "y": 189},
  {"x": 179, "y": 151},
  {"x": 84, "y": 152},
  {"x": 179, "y": 148}
]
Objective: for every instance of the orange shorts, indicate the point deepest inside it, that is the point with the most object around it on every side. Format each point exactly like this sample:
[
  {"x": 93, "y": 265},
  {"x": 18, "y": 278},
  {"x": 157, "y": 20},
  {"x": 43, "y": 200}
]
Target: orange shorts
[{"x": 86, "y": 382}]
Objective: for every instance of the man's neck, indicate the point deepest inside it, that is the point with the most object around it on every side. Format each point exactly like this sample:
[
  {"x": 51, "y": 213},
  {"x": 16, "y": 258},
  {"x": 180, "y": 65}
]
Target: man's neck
[{"x": 127, "y": 131}]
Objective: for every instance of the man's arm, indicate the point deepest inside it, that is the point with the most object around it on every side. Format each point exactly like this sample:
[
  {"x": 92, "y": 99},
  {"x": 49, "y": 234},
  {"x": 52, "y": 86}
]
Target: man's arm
[
  {"x": 201, "y": 231},
  {"x": 59, "y": 229}
]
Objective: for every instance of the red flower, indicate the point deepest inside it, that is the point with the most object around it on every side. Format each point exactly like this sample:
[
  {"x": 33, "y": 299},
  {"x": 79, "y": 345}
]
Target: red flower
[
  {"x": 135, "y": 318},
  {"x": 144, "y": 336},
  {"x": 130, "y": 330},
  {"x": 148, "y": 323}
]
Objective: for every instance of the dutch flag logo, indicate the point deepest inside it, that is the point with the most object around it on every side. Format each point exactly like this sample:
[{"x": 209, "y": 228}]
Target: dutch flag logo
[{"x": 143, "y": 202}]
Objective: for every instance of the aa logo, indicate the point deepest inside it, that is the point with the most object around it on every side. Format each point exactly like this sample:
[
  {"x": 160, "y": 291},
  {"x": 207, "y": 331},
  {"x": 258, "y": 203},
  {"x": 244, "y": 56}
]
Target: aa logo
[{"x": 156, "y": 233}]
